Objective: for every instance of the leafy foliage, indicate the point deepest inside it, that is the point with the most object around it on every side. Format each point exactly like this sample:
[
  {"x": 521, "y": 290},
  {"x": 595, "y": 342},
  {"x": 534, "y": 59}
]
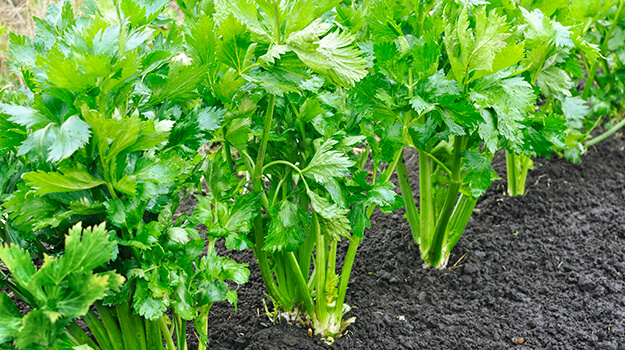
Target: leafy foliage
[{"x": 62, "y": 289}]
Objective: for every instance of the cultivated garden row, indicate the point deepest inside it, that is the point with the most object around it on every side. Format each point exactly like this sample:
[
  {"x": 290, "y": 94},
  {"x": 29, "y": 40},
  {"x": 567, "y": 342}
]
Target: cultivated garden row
[{"x": 276, "y": 108}]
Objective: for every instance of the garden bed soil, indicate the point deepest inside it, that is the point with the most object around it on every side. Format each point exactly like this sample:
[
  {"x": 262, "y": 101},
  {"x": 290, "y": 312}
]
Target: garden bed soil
[{"x": 543, "y": 271}]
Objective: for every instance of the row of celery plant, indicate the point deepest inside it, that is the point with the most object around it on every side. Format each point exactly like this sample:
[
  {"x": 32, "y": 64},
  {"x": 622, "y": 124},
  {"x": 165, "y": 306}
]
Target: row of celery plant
[
  {"x": 447, "y": 82},
  {"x": 565, "y": 40},
  {"x": 106, "y": 132},
  {"x": 274, "y": 81}
]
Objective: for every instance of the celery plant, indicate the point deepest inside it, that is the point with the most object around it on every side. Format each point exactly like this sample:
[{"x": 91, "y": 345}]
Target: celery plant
[
  {"x": 61, "y": 290},
  {"x": 278, "y": 73},
  {"x": 456, "y": 104},
  {"x": 108, "y": 132},
  {"x": 592, "y": 31}
]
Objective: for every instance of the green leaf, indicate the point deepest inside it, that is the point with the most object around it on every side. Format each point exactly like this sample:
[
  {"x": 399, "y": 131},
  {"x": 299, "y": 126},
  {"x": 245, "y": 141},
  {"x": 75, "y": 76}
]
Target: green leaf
[
  {"x": 10, "y": 319},
  {"x": 22, "y": 115},
  {"x": 210, "y": 118},
  {"x": 233, "y": 46},
  {"x": 65, "y": 180},
  {"x": 85, "y": 290},
  {"x": 127, "y": 185},
  {"x": 575, "y": 111},
  {"x": 381, "y": 194},
  {"x": 73, "y": 134},
  {"x": 554, "y": 82},
  {"x": 390, "y": 61},
  {"x": 201, "y": 39},
  {"x": 245, "y": 11},
  {"x": 210, "y": 292},
  {"x": 246, "y": 207},
  {"x": 146, "y": 305},
  {"x": 213, "y": 266},
  {"x": 324, "y": 208},
  {"x": 479, "y": 173},
  {"x": 18, "y": 262},
  {"x": 327, "y": 163},
  {"x": 511, "y": 98},
  {"x": 274, "y": 53},
  {"x": 181, "y": 83},
  {"x": 37, "y": 330},
  {"x": 239, "y": 132},
  {"x": 334, "y": 55},
  {"x": 85, "y": 250},
  {"x": 426, "y": 54},
  {"x": 336, "y": 228},
  {"x": 474, "y": 50},
  {"x": 286, "y": 230}
]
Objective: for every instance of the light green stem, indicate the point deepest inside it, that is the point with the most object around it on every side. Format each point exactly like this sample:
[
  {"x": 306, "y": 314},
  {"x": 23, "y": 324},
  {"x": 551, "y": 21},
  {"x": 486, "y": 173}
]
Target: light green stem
[
  {"x": 111, "y": 327},
  {"x": 459, "y": 220},
  {"x": 79, "y": 337},
  {"x": 153, "y": 335},
  {"x": 436, "y": 249},
  {"x": 512, "y": 173},
  {"x": 309, "y": 306},
  {"x": 426, "y": 205},
  {"x": 180, "y": 327},
  {"x": 320, "y": 268},
  {"x": 606, "y": 134},
  {"x": 406, "y": 191},
  {"x": 204, "y": 322},
  {"x": 346, "y": 272},
  {"x": 259, "y": 232},
  {"x": 169, "y": 341}
]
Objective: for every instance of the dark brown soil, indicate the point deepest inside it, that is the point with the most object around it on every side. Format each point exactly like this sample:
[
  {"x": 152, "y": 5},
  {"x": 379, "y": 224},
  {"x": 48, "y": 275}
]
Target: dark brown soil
[{"x": 544, "y": 271}]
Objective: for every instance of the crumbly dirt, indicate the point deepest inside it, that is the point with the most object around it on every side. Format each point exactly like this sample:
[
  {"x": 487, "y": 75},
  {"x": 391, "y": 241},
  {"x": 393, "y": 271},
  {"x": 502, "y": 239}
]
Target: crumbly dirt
[{"x": 543, "y": 271}]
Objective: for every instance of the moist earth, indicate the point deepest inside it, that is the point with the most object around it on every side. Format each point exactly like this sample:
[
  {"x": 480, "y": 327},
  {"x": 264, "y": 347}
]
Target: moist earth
[{"x": 543, "y": 271}]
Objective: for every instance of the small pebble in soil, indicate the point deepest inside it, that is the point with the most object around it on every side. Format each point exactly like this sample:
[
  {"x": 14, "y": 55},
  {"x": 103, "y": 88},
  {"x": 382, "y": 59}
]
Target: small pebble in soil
[
  {"x": 585, "y": 283},
  {"x": 518, "y": 340},
  {"x": 471, "y": 268},
  {"x": 291, "y": 341}
]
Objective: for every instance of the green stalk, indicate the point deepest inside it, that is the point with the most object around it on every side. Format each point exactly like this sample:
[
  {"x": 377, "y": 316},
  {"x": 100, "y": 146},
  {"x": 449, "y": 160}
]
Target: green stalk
[
  {"x": 332, "y": 257},
  {"x": 406, "y": 191},
  {"x": 153, "y": 335},
  {"x": 228, "y": 153},
  {"x": 320, "y": 267},
  {"x": 102, "y": 334},
  {"x": 110, "y": 325},
  {"x": 180, "y": 327},
  {"x": 435, "y": 251},
  {"x": 606, "y": 134},
  {"x": 426, "y": 204},
  {"x": 517, "y": 167},
  {"x": 604, "y": 45},
  {"x": 309, "y": 306},
  {"x": 282, "y": 276},
  {"x": 204, "y": 322},
  {"x": 259, "y": 232},
  {"x": 346, "y": 272},
  {"x": 132, "y": 336},
  {"x": 459, "y": 220},
  {"x": 512, "y": 173},
  {"x": 526, "y": 164},
  {"x": 350, "y": 256},
  {"x": 162, "y": 324},
  {"x": 79, "y": 337},
  {"x": 306, "y": 249}
]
